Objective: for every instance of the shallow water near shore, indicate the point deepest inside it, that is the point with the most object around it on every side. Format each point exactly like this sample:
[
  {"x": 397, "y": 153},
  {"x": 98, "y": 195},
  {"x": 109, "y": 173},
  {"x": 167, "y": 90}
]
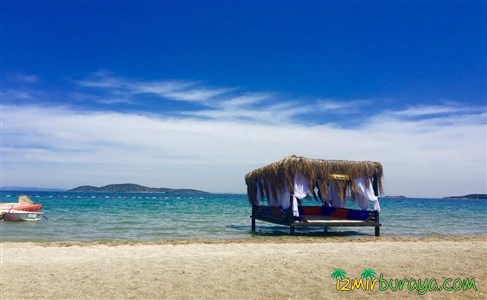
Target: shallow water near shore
[{"x": 88, "y": 217}]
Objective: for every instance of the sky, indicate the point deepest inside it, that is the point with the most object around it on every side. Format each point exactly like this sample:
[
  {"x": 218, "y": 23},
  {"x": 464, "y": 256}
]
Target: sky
[{"x": 195, "y": 94}]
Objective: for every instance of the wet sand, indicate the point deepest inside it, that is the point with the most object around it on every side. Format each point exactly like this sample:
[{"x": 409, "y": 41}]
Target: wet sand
[{"x": 262, "y": 268}]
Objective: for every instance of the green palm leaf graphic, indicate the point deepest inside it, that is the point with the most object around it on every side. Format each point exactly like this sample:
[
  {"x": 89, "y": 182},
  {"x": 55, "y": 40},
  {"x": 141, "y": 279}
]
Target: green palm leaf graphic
[
  {"x": 338, "y": 274},
  {"x": 368, "y": 273}
]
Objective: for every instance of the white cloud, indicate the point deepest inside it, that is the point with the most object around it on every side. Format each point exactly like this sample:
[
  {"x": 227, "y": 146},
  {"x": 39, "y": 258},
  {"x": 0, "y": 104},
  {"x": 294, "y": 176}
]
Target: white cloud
[
  {"x": 59, "y": 147},
  {"x": 244, "y": 100},
  {"x": 340, "y": 106},
  {"x": 161, "y": 88},
  {"x": 15, "y": 94},
  {"x": 175, "y": 90},
  {"x": 197, "y": 94},
  {"x": 222, "y": 104},
  {"x": 429, "y": 110},
  {"x": 22, "y": 78},
  {"x": 427, "y": 150},
  {"x": 252, "y": 109}
]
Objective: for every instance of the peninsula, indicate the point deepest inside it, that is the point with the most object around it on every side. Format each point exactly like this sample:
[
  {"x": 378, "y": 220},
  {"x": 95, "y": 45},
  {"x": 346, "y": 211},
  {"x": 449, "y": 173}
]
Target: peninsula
[
  {"x": 469, "y": 196},
  {"x": 132, "y": 188}
]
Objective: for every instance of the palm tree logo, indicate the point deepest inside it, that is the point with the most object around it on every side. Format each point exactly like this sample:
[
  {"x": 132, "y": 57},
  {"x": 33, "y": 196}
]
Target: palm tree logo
[
  {"x": 368, "y": 273},
  {"x": 338, "y": 274}
]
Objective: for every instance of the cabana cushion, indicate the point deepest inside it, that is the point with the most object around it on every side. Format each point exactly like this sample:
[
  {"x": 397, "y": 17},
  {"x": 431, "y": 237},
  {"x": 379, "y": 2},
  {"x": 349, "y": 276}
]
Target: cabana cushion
[{"x": 338, "y": 213}]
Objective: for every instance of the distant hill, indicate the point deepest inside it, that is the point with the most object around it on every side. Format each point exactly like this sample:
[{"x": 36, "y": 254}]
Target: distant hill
[
  {"x": 132, "y": 188},
  {"x": 28, "y": 189},
  {"x": 470, "y": 196},
  {"x": 394, "y": 197}
]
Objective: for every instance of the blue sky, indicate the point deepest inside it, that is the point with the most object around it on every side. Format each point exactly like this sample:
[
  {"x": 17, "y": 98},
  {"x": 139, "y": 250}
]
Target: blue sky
[{"x": 198, "y": 93}]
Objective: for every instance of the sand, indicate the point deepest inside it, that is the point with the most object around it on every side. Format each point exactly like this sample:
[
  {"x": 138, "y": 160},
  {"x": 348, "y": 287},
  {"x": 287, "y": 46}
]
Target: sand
[{"x": 270, "y": 268}]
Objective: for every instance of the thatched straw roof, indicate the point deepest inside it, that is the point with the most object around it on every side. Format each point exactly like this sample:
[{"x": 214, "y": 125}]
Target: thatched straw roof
[{"x": 276, "y": 177}]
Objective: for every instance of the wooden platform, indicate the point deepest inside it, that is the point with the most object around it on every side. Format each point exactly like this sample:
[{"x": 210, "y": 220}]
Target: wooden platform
[{"x": 317, "y": 221}]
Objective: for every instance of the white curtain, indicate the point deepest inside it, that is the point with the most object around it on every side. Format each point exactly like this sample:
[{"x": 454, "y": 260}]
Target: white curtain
[
  {"x": 300, "y": 191},
  {"x": 333, "y": 195},
  {"x": 258, "y": 197},
  {"x": 272, "y": 201},
  {"x": 365, "y": 193},
  {"x": 285, "y": 198}
]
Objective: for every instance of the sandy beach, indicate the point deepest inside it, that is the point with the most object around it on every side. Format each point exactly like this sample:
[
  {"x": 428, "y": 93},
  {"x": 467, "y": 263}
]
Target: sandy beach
[{"x": 268, "y": 268}]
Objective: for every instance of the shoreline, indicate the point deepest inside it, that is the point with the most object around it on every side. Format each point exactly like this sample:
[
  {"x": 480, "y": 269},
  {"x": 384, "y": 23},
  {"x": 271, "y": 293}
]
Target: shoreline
[
  {"x": 261, "y": 268},
  {"x": 284, "y": 239}
]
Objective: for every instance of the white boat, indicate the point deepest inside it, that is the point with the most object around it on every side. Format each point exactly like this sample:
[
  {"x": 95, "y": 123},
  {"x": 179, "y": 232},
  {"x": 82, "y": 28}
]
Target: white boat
[
  {"x": 21, "y": 215},
  {"x": 24, "y": 203},
  {"x": 23, "y": 210}
]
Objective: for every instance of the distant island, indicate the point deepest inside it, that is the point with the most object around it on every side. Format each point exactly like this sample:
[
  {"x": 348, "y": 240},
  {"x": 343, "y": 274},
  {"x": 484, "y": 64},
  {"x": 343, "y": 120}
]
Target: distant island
[
  {"x": 132, "y": 188},
  {"x": 470, "y": 196},
  {"x": 28, "y": 189},
  {"x": 395, "y": 197}
]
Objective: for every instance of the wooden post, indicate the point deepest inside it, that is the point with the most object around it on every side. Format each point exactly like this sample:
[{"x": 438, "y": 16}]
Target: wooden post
[
  {"x": 377, "y": 223},
  {"x": 253, "y": 218},
  {"x": 375, "y": 186}
]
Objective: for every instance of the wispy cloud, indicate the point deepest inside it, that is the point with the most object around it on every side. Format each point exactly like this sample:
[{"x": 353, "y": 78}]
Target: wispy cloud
[
  {"x": 108, "y": 100},
  {"x": 245, "y": 100},
  {"x": 217, "y": 103},
  {"x": 160, "y": 88},
  {"x": 345, "y": 107},
  {"x": 22, "y": 77},
  {"x": 432, "y": 110},
  {"x": 15, "y": 94},
  {"x": 175, "y": 90},
  {"x": 197, "y": 94}
]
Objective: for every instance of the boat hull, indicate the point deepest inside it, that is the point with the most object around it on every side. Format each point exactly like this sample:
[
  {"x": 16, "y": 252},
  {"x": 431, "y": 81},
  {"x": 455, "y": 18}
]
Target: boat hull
[{"x": 20, "y": 215}]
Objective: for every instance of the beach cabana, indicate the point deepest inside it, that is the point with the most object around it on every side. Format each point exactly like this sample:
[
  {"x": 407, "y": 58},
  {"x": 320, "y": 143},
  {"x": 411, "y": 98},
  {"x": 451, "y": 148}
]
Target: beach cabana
[{"x": 276, "y": 192}]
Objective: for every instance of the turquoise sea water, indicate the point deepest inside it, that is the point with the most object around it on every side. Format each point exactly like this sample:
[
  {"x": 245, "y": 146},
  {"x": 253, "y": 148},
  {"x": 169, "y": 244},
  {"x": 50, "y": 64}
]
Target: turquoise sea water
[{"x": 156, "y": 217}]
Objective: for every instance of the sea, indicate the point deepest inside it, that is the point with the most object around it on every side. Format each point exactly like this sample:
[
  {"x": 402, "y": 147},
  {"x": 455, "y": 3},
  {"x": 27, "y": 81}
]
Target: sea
[{"x": 150, "y": 217}]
